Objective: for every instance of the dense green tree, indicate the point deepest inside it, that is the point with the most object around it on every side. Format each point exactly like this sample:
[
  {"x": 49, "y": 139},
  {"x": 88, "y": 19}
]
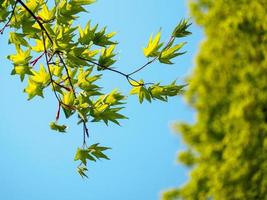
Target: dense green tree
[
  {"x": 227, "y": 143},
  {"x": 56, "y": 54}
]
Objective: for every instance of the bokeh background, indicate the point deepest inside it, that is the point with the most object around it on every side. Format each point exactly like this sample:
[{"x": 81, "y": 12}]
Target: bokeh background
[{"x": 37, "y": 163}]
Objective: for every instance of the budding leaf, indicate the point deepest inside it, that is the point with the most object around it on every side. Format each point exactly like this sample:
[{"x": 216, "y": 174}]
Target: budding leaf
[
  {"x": 82, "y": 171},
  {"x": 181, "y": 29}
]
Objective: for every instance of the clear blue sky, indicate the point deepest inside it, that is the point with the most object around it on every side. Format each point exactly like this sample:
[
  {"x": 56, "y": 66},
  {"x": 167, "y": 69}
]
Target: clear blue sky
[{"x": 37, "y": 163}]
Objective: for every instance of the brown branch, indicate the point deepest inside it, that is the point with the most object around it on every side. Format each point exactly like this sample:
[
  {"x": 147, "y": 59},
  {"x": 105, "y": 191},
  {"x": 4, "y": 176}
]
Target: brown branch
[
  {"x": 62, "y": 86},
  {"x": 58, "y": 111}
]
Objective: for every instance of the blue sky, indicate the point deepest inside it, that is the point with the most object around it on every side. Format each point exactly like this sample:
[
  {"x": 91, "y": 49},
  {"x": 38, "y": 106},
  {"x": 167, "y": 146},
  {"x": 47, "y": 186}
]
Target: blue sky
[{"x": 37, "y": 163}]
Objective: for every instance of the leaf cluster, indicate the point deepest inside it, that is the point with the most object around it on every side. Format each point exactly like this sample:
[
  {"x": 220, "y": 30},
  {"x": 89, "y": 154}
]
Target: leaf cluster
[
  {"x": 92, "y": 153},
  {"x": 53, "y": 54}
]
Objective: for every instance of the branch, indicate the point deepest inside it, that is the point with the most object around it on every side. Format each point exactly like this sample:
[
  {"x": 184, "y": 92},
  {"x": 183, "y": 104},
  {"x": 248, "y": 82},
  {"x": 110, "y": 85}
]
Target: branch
[
  {"x": 67, "y": 72},
  {"x": 127, "y": 76},
  {"x": 49, "y": 70}
]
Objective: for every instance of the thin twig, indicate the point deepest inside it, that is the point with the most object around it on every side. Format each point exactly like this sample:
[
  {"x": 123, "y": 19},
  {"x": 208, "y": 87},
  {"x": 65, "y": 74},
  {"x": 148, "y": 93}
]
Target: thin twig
[
  {"x": 58, "y": 111},
  {"x": 145, "y": 65},
  {"x": 154, "y": 59},
  {"x": 62, "y": 86},
  {"x": 67, "y": 72},
  {"x": 49, "y": 70},
  {"x": 129, "y": 79}
]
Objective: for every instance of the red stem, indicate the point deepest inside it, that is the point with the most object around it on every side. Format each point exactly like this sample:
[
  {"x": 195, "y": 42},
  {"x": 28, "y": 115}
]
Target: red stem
[{"x": 58, "y": 111}]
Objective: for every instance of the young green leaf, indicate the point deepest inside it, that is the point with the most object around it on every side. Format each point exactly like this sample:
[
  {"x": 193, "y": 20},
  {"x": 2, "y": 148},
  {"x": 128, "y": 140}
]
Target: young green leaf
[
  {"x": 170, "y": 53},
  {"x": 82, "y": 171},
  {"x": 59, "y": 128},
  {"x": 181, "y": 29},
  {"x": 83, "y": 155},
  {"x": 141, "y": 91},
  {"x": 152, "y": 49},
  {"x": 22, "y": 70},
  {"x": 17, "y": 39},
  {"x": 106, "y": 57},
  {"x": 42, "y": 77},
  {"x": 33, "y": 89},
  {"x": 21, "y": 58}
]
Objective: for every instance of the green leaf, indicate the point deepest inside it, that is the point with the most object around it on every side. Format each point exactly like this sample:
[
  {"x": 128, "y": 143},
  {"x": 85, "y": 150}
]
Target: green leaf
[
  {"x": 22, "y": 70},
  {"x": 152, "y": 49},
  {"x": 162, "y": 93},
  {"x": 106, "y": 113},
  {"x": 170, "y": 53},
  {"x": 85, "y": 81},
  {"x": 68, "y": 99},
  {"x": 33, "y": 89},
  {"x": 114, "y": 98},
  {"x": 141, "y": 91},
  {"x": 106, "y": 57},
  {"x": 59, "y": 128},
  {"x": 83, "y": 155},
  {"x": 41, "y": 77},
  {"x": 82, "y": 171},
  {"x": 47, "y": 15},
  {"x": 39, "y": 45},
  {"x": 181, "y": 29},
  {"x": 83, "y": 2},
  {"x": 87, "y": 35},
  {"x": 4, "y": 14},
  {"x": 21, "y": 58},
  {"x": 97, "y": 151},
  {"x": 103, "y": 39},
  {"x": 17, "y": 39}
]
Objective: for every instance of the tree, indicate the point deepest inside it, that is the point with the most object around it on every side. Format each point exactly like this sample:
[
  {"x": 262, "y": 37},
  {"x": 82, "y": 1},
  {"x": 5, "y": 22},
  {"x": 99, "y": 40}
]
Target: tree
[
  {"x": 72, "y": 59},
  {"x": 227, "y": 144}
]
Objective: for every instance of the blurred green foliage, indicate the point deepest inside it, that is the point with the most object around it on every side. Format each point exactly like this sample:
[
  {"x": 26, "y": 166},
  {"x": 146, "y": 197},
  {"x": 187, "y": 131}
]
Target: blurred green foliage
[{"x": 227, "y": 144}]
